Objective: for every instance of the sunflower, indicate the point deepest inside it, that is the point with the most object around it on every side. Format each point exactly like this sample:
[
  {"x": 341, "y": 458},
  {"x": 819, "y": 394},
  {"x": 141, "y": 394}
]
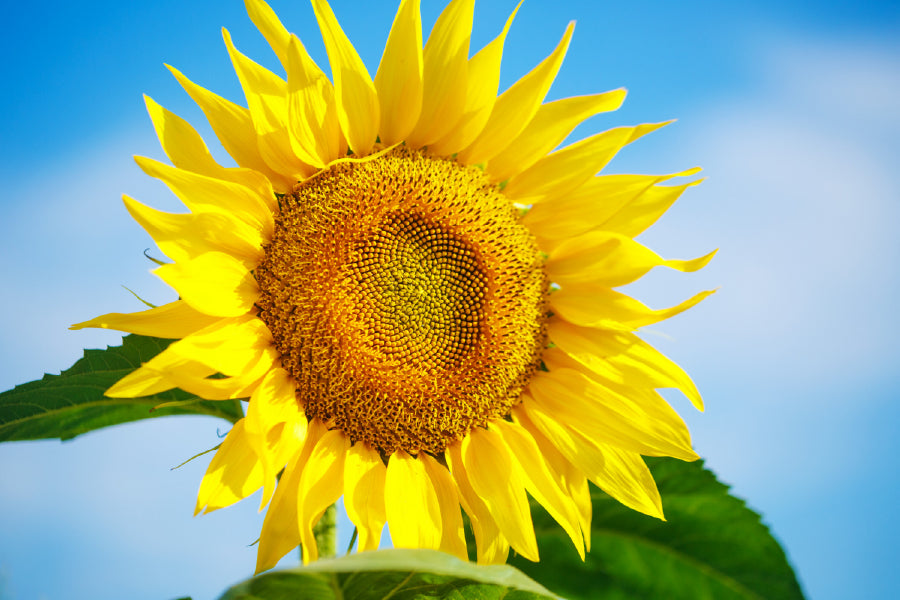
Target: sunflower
[{"x": 414, "y": 288}]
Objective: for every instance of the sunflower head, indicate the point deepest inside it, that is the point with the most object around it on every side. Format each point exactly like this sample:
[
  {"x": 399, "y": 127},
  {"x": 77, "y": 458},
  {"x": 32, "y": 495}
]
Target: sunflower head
[{"x": 412, "y": 284}]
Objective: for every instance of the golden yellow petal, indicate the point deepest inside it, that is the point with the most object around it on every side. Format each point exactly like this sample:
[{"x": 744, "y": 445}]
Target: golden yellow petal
[
  {"x": 364, "y": 477},
  {"x": 606, "y": 259},
  {"x": 516, "y": 107},
  {"x": 357, "y": 102},
  {"x": 568, "y": 476},
  {"x": 500, "y": 484},
  {"x": 599, "y": 413},
  {"x": 281, "y": 530},
  {"x": 270, "y": 27},
  {"x": 315, "y": 133},
  {"x": 552, "y": 123},
  {"x": 214, "y": 283},
  {"x": 173, "y": 320},
  {"x": 181, "y": 142},
  {"x": 483, "y": 80},
  {"x": 539, "y": 481},
  {"x": 182, "y": 237},
  {"x": 226, "y": 388},
  {"x": 275, "y": 425},
  {"x": 266, "y": 95},
  {"x": 453, "y": 539},
  {"x": 613, "y": 470},
  {"x": 186, "y": 149},
  {"x": 609, "y": 202},
  {"x": 234, "y": 473},
  {"x": 413, "y": 511},
  {"x": 234, "y": 128},
  {"x": 642, "y": 212},
  {"x": 321, "y": 484},
  {"x": 156, "y": 376},
  {"x": 445, "y": 67},
  {"x": 603, "y": 308},
  {"x": 209, "y": 194},
  {"x": 400, "y": 75},
  {"x": 565, "y": 170},
  {"x": 492, "y": 547},
  {"x": 622, "y": 358}
]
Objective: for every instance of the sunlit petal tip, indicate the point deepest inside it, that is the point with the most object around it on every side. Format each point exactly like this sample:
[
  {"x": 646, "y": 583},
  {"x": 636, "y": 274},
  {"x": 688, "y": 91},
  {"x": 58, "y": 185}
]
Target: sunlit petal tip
[
  {"x": 357, "y": 100},
  {"x": 398, "y": 80}
]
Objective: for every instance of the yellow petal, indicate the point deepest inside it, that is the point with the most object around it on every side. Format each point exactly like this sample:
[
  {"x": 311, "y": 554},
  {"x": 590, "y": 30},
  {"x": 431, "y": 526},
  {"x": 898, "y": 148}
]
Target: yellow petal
[
  {"x": 399, "y": 77},
  {"x": 315, "y": 133},
  {"x": 627, "y": 479},
  {"x": 591, "y": 306},
  {"x": 607, "y": 259},
  {"x": 281, "y": 530},
  {"x": 152, "y": 379},
  {"x": 172, "y": 320},
  {"x": 445, "y": 66},
  {"x": 185, "y": 236},
  {"x": 225, "y": 388},
  {"x": 599, "y": 413},
  {"x": 586, "y": 207},
  {"x": 364, "y": 477},
  {"x": 453, "y": 539},
  {"x": 623, "y": 358},
  {"x": 622, "y": 204},
  {"x": 234, "y": 473},
  {"x": 357, "y": 102},
  {"x": 499, "y": 482},
  {"x": 181, "y": 143},
  {"x": 227, "y": 346},
  {"x": 209, "y": 194},
  {"x": 564, "y": 171},
  {"x": 643, "y": 211},
  {"x": 240, "y": 348},
  {"x": 266, "y": 95},
  {"x": 621, "y": 474},
  {"x": 214, "y": 283},
  {"x": 234, "y": 128},
  {"x": 483, "y": 80},
  {"x": 270, "y": 27},
  {"x": 275, "y": 425},
  {"x": 516, "y": 107},
  {"x": 491, "y": 545},
  {"x": 539, "y": 481},
  {"x": 567, "y": 476},
  {"x": 321, "y": 484},
  {"x": 552, "y": 123},
  {"x": 413, "y": 512},
  {"x": 186, "y": 149}
]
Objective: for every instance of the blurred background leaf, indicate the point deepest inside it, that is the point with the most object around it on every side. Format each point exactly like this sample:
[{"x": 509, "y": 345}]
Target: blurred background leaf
[{"x": 710, "y": 546}]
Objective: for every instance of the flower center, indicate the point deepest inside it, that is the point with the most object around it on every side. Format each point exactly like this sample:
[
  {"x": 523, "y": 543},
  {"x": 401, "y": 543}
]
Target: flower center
[{"x": 406, "y": 300}]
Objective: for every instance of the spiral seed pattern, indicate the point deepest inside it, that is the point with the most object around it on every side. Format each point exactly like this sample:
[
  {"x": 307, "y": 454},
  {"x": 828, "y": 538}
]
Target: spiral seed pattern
[{"x": 406, "y": 300}]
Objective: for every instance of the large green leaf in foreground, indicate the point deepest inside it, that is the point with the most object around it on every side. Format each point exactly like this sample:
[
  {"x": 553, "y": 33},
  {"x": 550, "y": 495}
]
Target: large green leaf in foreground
[
  {"x": 71, "y": 403},
  {"x": 711, "y": 546},
  {"x": 395, "y": 574}
]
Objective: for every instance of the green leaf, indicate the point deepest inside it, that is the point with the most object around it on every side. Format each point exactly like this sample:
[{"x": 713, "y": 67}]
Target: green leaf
[
  {"x": 710, "y": 546},
  {"x": 71, "y": 403},
  {"x": 396, "y": 574}
]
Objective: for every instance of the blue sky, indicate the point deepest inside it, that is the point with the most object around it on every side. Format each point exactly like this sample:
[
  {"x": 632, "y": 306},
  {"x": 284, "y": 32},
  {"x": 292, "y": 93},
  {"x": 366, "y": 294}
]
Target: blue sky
[{"x": 793, "y": 110}]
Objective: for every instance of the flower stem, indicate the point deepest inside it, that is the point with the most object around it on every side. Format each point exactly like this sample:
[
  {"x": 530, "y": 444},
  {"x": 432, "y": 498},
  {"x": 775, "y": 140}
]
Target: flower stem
[{"x": 326, "y": 533}]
